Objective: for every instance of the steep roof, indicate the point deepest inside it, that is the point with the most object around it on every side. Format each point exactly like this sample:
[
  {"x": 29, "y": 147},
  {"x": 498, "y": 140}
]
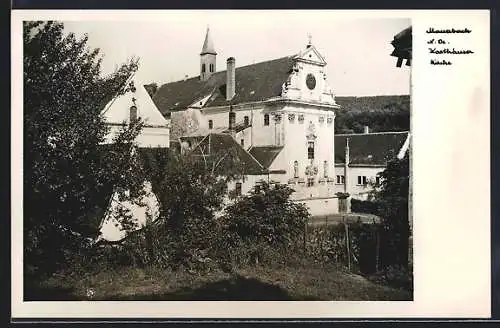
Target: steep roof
[
  {"x": 266, "y": 154},
  {"x": 221, "y": 144},
  {"x": 255, "y": 82},
  {"x": 370, "y": 148},
  {"x": 116, "y": 110},
  {"x": 208, "y": 45}
]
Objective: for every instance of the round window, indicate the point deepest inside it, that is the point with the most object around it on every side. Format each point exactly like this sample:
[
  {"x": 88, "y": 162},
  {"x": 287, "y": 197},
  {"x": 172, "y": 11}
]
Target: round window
[{"x": 310, "y": 81}]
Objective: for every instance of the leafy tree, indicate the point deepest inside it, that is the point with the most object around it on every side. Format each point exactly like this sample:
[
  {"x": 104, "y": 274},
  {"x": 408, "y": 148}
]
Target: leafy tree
[
  {"x": 191, "y": 188},
  {"x": 67, "y": 174},
  {"x": 391, "y": 198},
  {"x": 380, "y": 113}
]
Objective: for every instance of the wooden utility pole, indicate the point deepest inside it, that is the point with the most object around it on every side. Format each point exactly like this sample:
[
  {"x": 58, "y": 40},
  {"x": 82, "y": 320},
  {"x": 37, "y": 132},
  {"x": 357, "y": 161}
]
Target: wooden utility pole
[{"x": 348, "y": 246}]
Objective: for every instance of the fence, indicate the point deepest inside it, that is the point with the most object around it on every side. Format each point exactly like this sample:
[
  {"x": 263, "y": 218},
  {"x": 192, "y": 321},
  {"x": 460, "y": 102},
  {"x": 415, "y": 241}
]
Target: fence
[{"x": 360, "y": 247}]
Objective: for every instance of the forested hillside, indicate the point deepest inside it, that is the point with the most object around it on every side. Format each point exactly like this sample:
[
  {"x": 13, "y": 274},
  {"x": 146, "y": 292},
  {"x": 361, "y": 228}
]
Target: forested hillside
[{"x": 380, "y": 113}]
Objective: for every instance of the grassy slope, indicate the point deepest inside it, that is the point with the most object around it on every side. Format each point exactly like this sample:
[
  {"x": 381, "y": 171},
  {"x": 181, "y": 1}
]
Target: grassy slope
[{"x": 315, "y": 282}]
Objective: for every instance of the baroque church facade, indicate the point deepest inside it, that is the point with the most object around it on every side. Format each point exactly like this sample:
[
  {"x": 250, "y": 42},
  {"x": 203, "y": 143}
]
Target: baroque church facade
[
  {"x": 279, "y": 117},
  {"x": 280, "y": 113}
]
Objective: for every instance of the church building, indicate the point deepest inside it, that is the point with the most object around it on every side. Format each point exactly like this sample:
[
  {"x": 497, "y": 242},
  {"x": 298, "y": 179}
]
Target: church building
[{"x": 280, "y": 113}]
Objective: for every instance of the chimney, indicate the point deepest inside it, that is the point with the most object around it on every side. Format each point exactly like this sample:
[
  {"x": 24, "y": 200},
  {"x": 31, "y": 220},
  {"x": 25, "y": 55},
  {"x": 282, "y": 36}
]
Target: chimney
[
  {"x": 367, "y": 129},
  {"x": 230, "y": 78}
]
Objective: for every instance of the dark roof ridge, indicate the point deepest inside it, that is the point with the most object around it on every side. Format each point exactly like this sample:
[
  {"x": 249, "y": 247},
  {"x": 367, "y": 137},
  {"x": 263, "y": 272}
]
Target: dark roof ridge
[
  {"x": 370, "y": 133},
  {"x": 218, "y": 72},
  {"x": 238, "y": 144}
]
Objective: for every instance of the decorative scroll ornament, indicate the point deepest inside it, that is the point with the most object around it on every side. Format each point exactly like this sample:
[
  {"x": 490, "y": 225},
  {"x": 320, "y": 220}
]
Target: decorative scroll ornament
[
  {"x": 301, "y": 118},
  {"x": 311, "y": 132},
  {"x": 277, "y": 118},
  {"x": 291, "y": 117},
  {"x": 311, "y": 170},
  {"x": 321, "y": 119},
  {"x": 329, "y": 120}
]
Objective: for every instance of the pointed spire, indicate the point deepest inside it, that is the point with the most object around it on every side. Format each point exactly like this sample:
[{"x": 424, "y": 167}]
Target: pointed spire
[{"x": 208, "y": 46}]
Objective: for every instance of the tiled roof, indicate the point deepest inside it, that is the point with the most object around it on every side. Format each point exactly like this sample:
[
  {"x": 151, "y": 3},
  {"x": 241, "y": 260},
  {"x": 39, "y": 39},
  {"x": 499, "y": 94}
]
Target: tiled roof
[
  {"x": 265, "y": 155},
  {"x": 221, "y": 143},
  {"x": 370, "y": 148},
  {"x": 255, "y": 82}
]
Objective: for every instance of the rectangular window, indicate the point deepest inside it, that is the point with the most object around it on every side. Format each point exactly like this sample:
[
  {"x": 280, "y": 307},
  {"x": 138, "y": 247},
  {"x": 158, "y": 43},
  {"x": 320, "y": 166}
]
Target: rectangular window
[
  {"x": 340, "y": 179},
  {"x": 210, "y": 124},
  {"x": 310, "y": 150},
  {"x": 242, "y": 141},
  {"x": 377, "y": 180},
  {"x": 247, "y": 120},
  {"x": 343, "y": 178},
  {"x": 238, "y": 188},
  {"x": 266, "y": 119},
  {"x": 362, "y": 180},
  {"x": 310, "y": 182}
]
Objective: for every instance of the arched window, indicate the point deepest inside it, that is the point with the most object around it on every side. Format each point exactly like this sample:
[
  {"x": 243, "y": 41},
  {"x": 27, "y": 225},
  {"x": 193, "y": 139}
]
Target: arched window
[
  {"x": 295, "y": 169},
  {"x": 203, "y": 68},
  {"x": 133, "y": 114},
  {"x": 211, "y": 68},
  {"x": 210, "y": 124},
  {"x": 266, "y": 119},
  {"x": 325, "y": 169}
]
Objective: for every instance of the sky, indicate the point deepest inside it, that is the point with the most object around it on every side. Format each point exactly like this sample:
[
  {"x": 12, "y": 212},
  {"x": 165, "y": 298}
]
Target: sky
[{"x": 357, "y": 51}]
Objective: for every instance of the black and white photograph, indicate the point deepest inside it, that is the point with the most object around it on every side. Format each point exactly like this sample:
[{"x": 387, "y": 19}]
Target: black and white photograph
[
  {"x": 176, "y": 162},
  {"x": 227, "y": 156}
]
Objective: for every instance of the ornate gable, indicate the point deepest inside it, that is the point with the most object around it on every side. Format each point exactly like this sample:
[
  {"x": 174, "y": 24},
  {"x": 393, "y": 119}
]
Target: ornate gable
[{"x": 311, "y": 55}]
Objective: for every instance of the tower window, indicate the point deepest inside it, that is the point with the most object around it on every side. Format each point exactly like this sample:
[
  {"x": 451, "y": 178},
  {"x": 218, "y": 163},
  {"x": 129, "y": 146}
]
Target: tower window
[
  {"x": 340, "y": 179},
  {"x": 203, "y": 68},
  {"x": 211, "y": 68},
  {"x": 210, "y": 124},
  {"x": 266, "y": 119},
  {"x": 310, "y": 150}
]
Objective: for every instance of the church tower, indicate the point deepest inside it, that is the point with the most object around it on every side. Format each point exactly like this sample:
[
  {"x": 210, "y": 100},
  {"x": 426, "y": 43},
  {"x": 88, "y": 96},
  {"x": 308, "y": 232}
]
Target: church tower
[{"x": 207, "y": 58}]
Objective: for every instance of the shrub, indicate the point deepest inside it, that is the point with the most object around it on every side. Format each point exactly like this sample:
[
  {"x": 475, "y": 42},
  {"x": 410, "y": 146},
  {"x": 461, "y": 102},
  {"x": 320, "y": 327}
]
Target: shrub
[
  {"x": 263, "y": 220},
  {"x": 364, "y": 206}
]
